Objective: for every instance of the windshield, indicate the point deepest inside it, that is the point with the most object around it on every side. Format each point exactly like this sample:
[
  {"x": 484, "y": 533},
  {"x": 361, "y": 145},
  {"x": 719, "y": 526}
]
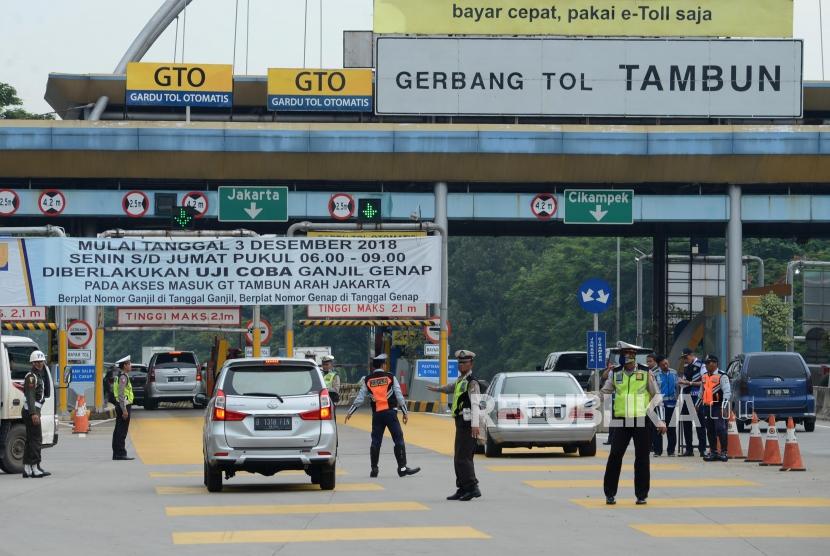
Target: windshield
[
  {"x": 19, "y": 360},
  {"x": 271, "y": 381},
  {"x": 572, "y": 361},
  {"x": 540, "y": 385},
  {"x": 771, "y": 366},
  {"x": 182, "y": 359}
]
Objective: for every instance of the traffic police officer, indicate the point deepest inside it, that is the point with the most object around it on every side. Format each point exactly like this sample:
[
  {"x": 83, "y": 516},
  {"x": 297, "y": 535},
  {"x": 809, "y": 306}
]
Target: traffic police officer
[
  {"x": 331, "y": 378},
  {"x": 690, "y": 397},
  {"x": 714, "y": 395},
  {"x": 385, "y": 397},
  {"x": 633, "y": 387},
  {"x": 34, "y": 393},
  {"x": 122, "y": 390},
  {"x": 465, "y": 409}
]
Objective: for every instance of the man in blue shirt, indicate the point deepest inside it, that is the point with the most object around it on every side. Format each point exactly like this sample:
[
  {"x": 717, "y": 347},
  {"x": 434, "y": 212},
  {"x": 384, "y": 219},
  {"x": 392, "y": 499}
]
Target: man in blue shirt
[{"x": 666, "y": 379}]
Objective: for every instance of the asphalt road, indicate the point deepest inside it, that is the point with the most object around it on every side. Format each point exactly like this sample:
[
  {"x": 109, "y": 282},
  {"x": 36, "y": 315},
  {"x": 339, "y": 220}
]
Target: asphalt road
[{"x": 533, "y": 501}]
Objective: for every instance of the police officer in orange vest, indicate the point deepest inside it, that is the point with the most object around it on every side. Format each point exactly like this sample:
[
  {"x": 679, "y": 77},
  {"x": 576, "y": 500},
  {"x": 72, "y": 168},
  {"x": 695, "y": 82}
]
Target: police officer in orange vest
[
  {"x": 715, "y": 392},
  {"x": 385, "y": 397}
]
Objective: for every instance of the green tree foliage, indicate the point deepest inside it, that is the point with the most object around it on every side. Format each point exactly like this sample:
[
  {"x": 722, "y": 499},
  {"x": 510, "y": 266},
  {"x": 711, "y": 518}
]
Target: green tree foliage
[
  {"x": 774, "y": 313},
  {"x": 11, "y": 109}
]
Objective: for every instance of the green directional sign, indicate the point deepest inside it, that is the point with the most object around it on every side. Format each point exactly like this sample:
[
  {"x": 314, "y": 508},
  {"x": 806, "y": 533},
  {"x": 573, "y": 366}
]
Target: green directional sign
[
  {"x": 599, "y": 206},
  {"x": 253, "y": 204}
]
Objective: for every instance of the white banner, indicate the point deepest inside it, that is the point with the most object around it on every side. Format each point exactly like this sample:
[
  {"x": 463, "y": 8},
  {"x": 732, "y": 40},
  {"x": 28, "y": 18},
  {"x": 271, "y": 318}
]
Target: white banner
[
  {"x": 22, "y": 314},
  {"x": 367, "y": 310},
  {"x": 589, "y": 77},
  {"x": 222, "y": 272},
  {"x": 167, "y": 316}
]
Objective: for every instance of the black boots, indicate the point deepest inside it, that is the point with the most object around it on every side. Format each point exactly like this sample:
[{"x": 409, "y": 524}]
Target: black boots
[
  {"x": 403, "y": 470},
  {"x": 374, "y": 456}
]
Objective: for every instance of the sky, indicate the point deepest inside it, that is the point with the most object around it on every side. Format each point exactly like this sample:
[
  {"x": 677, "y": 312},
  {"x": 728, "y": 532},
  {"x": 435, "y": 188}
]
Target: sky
[{"x": 90, "y": 36}]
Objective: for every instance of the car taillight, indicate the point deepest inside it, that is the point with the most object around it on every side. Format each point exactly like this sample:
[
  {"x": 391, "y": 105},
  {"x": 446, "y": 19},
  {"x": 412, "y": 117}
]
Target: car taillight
[
  {"x": 222, "y": 414},
  {"x": 509, "y": 414},
  {"x": 198, "y": 376},
  {"x": 577, "y": 413},
  {"x": 323, "y": 413},
  {"x": 151, "y": 375}
]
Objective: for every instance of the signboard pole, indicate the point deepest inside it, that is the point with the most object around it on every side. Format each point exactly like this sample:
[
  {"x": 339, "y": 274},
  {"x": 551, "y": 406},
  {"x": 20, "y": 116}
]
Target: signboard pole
[
  {"x": 60, "y": 313},
  {"x": 257, "y": 344},
  {"x": 99, "y": 361},
  {"x": 597, "y": 372}
]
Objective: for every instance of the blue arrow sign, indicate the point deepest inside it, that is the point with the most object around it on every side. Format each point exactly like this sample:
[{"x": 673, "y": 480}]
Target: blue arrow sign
[
  {"x": 596, "y": 349},
  {"x": 594, "y": 295}
]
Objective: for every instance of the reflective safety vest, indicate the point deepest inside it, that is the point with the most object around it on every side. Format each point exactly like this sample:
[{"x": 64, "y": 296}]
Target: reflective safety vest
[
  {"x": 631, "y": 394},
  {"x": 712, "y": 389},
  {"x": 381, "y": 389},
  {"x": 328, "y": 378},
  {"x": 461, "y": 398},
  {"x": 128, "y": 390}
]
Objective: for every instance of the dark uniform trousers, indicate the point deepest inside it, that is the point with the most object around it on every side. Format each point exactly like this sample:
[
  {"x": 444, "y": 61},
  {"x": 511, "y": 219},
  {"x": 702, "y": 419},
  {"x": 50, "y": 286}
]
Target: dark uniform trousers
[
  {"x": 465, "y": 449},
  {"x": 671, "y": 434},
  {"x": 687, "y": 428},
  {"x": 642, "y": 472},
  {"x": 382, "y": 420},
  {"x": 34, "y": 440},
  {"x": 119, "y": 435},
  {"x": 715, "y": 427}
]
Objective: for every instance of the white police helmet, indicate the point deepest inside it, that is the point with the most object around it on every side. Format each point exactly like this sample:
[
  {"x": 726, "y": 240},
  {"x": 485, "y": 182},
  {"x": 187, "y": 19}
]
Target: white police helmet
[{"x": 36, "y": 356}]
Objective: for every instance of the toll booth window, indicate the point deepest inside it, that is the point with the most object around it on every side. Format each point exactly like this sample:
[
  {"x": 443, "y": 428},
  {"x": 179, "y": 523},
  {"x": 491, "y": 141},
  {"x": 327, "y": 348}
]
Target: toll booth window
[
  {"x": 271, "y": 380},
  {"x": 19, "y": 360}
]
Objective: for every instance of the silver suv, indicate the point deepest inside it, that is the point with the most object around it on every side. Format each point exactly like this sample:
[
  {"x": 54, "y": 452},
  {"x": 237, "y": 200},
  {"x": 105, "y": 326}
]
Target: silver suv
[
  {"x": 173, "y": 376},
  {"x": 269, "y": 415}
]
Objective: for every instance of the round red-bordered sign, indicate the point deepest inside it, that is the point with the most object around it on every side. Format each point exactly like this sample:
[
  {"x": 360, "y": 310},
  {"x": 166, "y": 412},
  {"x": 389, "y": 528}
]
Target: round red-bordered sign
[
  {"x": 51, "y": 202},
  {"x": 135, "y": 204},
  {"x": 197, "y": 201},
  {"x": 341, "y": 206},
  {"x": 78, "y": 334},
  {"x": 9, "y": 202},
  {"x": 264, "y": 325},
  {"x": 543, "y": 206},
  {"x": 433, "y": 333}
]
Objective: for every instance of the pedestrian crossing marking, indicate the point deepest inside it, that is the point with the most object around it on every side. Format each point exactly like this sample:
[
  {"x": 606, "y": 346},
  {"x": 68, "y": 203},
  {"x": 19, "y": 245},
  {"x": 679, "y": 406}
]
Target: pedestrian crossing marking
[
  {"x": 710, "y": 502},
  {"x": 198, "y": 473},
  {"x": 736, "y": 530},
  {"x": 342, "y": 487},
  {"x": 655, "y": 483},
  {"x": 577, "y": 467},
  {"x": 279, "y": 536},
  {"x": 288, "y": 509}
]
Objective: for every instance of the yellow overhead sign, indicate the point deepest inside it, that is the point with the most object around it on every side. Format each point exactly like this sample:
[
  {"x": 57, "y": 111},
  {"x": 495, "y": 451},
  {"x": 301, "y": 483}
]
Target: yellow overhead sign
[
  {"x": 651, "y": 18},
  {"x": 316, "y": 90},
  {"x": 166, "y": 84}
]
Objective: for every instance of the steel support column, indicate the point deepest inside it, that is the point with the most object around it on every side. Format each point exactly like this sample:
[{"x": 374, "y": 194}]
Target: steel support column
[
  {"x": 660, "y": 278},
  {"x": 442, "y": 222},
  {"x": 734, "y": 289}
]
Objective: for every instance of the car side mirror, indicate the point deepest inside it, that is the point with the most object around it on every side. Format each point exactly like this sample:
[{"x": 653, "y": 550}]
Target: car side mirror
[{"x": 200, "y": 399}]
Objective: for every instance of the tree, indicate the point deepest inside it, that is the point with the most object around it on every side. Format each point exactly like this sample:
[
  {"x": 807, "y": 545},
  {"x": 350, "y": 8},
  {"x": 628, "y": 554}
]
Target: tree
[
  {"x": 11, "y": 109},
  {"x": 774, "y": 313}
]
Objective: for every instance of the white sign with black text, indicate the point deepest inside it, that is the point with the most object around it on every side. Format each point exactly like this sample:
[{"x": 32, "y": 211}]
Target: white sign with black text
[{"x": 589, "y": 77}]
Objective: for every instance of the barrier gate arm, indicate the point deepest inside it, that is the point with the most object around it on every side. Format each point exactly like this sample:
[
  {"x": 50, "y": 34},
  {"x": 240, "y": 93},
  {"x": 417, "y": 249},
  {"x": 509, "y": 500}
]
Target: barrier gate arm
[{"x": 417, "y": 227}]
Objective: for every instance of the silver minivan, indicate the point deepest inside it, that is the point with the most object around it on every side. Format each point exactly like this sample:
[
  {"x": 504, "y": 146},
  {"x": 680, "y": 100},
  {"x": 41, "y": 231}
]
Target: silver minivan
[
  {"x": 269, "y": 415},
  {"x": 173, "y": 376}
]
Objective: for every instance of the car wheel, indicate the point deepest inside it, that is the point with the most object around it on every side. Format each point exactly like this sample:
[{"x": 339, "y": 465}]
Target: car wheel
[
  {"x": 13, "y": 443},
  {"x": 810, "y": 425},
  {"x": 327, "y": 477},
  {"x": 491, "y": 449},
  {"x": 740, "y": 424},
  {"x": 150, "y": 405},
  {"x": 213, "y": 478},
  {"x": 570, "y": 449},
  {"x": 590, "y": 449},
  {"x": 479, "y": 448}
]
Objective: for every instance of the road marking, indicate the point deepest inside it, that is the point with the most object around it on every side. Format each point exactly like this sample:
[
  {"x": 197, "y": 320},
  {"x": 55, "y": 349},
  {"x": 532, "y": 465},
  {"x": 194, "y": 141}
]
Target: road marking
[
  {"x": 737, "y": 530},
  {"x": 327, "y": 535},
  {"x": 168, "y": 441},
  {"x": 546, "y": 468},
  {"x": 655, "y": 483},
  {"x": 710, "y": 502},
  {"x": 198, "y": 473},
  {"x": 342, "y": 487},
  {"x": 286, "y": 509},
  {"x": 423, "y": 430}
]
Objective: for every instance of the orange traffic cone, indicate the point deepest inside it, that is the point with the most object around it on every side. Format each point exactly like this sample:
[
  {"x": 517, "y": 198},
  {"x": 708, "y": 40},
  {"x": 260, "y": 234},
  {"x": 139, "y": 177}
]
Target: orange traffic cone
[
  {"x": 81, "y": 420},
  {"x": 733, "y": 450},
  {"x": 792, "y": 453},
  {"x": 772, "y": 451},
  {"x": 755, "y": 450}
]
